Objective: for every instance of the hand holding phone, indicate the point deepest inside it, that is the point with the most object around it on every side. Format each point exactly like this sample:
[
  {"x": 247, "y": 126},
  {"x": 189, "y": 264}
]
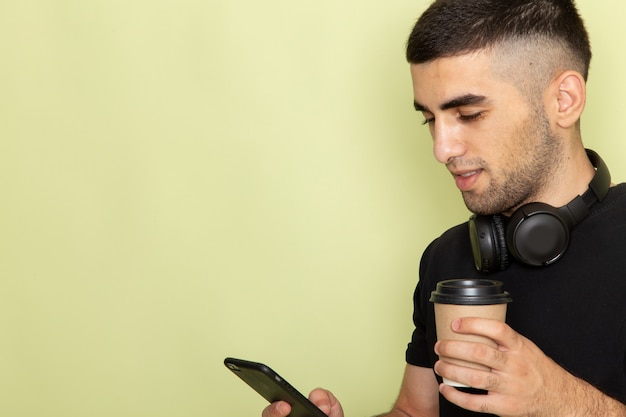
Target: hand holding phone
[{"x": 273, "y": 387}]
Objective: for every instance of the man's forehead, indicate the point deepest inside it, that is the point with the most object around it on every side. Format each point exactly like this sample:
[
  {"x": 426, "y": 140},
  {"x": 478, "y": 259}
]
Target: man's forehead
[
  {"x": 444, "y": 79},
  {"x": 477, "y": 63}
]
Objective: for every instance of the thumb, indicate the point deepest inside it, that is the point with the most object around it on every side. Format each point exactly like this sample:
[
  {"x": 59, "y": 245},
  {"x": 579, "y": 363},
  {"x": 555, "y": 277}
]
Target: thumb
[{"x": 326, "y": 401}]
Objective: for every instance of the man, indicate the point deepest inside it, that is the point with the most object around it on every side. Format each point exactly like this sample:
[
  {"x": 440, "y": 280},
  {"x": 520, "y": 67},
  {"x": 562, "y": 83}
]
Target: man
[{"x": 501, "y": 86}]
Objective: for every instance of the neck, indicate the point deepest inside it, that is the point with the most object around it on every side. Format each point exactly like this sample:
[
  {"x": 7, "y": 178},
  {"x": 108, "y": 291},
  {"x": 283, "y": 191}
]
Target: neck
[{"x": 571, "y": 179}]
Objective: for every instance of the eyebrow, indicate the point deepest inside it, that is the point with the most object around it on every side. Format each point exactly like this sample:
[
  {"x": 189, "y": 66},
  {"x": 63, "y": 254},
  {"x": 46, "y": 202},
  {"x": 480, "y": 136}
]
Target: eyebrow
[{"x": 466, "y": 100}]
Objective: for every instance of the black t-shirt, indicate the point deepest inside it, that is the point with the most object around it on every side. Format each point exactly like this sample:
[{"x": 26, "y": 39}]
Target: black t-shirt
[{"x": 574, "y": 309}]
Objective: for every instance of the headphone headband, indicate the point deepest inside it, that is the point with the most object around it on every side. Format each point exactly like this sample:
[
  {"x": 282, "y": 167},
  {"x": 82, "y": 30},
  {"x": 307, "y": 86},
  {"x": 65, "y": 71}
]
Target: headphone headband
[{"x": 601, "y": 181}]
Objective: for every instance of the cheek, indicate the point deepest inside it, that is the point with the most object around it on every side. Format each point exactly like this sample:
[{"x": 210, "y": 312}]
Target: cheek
[
  {"x": 509, "y": 137},
  {"x": 489, "y": 139},
  {"x": 500, "y": 147}
]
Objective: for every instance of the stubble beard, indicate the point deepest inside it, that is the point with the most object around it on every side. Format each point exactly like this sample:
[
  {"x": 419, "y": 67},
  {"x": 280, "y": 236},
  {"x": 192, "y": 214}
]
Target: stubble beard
[{"x": 532, "y": 164}]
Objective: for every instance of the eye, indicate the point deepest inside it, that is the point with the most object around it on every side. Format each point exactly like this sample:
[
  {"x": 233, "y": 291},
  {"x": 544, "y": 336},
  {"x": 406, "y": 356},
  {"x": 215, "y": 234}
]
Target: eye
[
  {"x": 471, "y": 117},
  {"x": 428, "y": 118}
]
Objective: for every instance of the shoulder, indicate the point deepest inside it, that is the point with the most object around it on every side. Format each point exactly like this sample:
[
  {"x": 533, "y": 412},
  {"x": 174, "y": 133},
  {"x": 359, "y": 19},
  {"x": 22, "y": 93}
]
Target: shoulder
[
  {"x": 453, "y": 239},
  {"x": 448, "y": 256},
  {"x": 611, "y": 211},
  {"x": 615, "y": 199}
]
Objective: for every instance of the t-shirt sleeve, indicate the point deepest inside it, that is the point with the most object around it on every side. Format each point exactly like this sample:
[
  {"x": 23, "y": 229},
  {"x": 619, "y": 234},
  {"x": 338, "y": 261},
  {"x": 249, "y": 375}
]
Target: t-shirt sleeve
[
  {"x": 418, "y": 350},
  {"x": 436, "y": 265}
]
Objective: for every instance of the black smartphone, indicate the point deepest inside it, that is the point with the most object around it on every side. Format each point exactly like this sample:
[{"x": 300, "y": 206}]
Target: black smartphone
[{"x": 273, "y": 387}]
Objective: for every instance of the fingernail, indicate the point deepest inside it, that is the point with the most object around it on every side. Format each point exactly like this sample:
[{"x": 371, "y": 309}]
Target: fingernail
[
  {"x": 456, "y": 324},
  {"x": 435, "y": 366},
  {"x": 281, "y": 408}
]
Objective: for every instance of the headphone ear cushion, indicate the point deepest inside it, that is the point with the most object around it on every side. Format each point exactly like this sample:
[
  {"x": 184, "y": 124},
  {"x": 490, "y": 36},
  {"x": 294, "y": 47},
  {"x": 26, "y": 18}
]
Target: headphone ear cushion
[
  {"x": 537, "y": 235},
  {"x": 487, "y": 236}
]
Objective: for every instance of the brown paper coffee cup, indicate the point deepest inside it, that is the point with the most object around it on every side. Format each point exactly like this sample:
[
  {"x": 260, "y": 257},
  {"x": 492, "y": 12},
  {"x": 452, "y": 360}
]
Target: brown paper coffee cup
[{"x": 467, "y": 298}]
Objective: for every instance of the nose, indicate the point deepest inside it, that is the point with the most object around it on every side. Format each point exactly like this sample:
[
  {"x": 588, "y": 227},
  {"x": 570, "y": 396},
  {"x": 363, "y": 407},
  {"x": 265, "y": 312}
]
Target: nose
[{"x": 447, "y": 143}]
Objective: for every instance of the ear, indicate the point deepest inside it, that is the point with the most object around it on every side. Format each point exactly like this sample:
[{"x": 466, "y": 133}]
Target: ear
[{"x": 569, "y": 90}]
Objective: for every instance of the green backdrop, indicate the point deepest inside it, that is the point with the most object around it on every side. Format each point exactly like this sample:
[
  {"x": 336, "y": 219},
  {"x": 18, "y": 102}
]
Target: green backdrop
[{"x": 186, "y": 180}]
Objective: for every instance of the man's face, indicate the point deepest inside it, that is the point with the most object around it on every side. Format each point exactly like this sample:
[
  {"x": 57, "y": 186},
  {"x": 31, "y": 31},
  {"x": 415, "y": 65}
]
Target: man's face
[{"x": 498, "y": 146}]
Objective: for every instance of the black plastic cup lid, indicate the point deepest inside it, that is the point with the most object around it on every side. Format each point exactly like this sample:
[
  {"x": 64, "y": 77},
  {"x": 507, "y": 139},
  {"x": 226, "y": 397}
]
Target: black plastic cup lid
[{"x": 470, "y": 292}]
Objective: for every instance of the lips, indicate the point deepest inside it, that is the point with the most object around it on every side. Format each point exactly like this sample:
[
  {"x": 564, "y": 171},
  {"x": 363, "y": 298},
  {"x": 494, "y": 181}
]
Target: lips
[{"x": 465, "y": 180}]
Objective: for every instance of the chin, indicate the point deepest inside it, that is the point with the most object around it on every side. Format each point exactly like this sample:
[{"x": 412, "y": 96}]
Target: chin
[{"x": 479, "y": 206}]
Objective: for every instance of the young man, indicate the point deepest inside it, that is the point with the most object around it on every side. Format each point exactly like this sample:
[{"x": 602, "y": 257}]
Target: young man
[{"x": 501, "y": 86}]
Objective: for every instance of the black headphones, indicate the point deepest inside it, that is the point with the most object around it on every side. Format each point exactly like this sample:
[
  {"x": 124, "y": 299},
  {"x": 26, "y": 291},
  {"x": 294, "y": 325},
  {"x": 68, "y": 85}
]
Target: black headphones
[{"x": 536, "y": 233}]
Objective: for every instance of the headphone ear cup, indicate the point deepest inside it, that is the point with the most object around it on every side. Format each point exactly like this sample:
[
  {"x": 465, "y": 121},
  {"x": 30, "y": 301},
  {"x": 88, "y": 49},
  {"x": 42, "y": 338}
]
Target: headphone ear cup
[
  {"x": 487, "y": 237},
  {"x": 537, "y": 235}
]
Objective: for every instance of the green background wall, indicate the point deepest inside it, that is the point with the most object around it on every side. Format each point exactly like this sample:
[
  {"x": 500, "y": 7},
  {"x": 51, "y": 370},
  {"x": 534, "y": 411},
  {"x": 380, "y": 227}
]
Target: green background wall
[{"x": 186, "y": 180}]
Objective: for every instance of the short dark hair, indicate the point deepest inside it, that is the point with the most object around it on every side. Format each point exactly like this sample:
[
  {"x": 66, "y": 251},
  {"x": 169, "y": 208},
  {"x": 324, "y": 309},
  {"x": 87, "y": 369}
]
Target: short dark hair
[{"x": 456, "y": 27}]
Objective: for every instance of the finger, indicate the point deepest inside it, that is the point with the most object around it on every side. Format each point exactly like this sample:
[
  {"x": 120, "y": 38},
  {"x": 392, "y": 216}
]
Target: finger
[
  {"x": 498, "y": 331},
  {"x": 475, "y": 378},
  {"x": 323, "y": 399},
  {"x": 470, "y": 352},
  {"x": 478, "y": 403},
  {"x": 277, "y": 409},
  {"x": 327, "y": 402}
]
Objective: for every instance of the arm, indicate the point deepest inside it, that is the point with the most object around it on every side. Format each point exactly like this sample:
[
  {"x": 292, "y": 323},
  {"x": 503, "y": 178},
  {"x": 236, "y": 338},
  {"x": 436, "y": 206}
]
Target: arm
[
  {"x": 419, "y": 397},
  {"x": 523, "y": 381}
]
